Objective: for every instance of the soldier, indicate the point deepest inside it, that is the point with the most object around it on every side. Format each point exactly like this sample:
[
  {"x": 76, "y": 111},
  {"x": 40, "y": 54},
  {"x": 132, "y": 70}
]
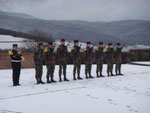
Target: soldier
[
  {"x": 62, "y": 54},
  {"x": 99, "y": 54},
  {"x": 117, "y": 55},
  {"x": 75, "y": 52},
  {"x": 88, "y": 52},
  {"x": 38, "y": 61},
  {"x": 109, "y": 56},
  {"x": 50, "y": 62},
  {"x": 16, "y": 58}
]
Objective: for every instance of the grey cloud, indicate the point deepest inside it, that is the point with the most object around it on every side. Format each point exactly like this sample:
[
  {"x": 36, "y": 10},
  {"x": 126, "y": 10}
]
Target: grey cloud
[{"x": 91, "y": 10}]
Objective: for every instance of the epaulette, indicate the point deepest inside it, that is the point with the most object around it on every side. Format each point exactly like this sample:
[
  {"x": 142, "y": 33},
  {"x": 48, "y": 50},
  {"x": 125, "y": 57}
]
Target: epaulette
[
  {"x": 19, "y": 52},
  {"x": 45, "y": 50},
  {"x": 72, "y": 48},
  {"x": 84, "y": 49},
  {"x": 58, "y": 46},
  {"x": 96, "y": 48},
  {"x": 115, "y": 49},
  {"x": 106, "y": 49},
  {"x": 10, "y": 52}
]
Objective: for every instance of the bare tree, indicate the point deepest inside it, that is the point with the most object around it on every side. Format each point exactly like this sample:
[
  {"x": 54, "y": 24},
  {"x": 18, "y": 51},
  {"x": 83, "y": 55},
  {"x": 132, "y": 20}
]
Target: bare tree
[{"x": 38, "y": 36}]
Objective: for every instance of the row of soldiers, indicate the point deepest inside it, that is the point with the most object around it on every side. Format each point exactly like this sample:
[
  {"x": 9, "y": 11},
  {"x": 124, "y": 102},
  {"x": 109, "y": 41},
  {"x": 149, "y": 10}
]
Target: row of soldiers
[{"x": 111, "y": 53}]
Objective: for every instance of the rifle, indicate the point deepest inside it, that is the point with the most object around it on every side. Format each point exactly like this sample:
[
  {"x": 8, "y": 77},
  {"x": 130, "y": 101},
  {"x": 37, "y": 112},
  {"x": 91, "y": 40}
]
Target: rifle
[
  {"x": 123, "y": 45},
  {"x": 68, "y": 43},
  {"x": 80, "y": 45},
  {"x": 54, "y": 45}
]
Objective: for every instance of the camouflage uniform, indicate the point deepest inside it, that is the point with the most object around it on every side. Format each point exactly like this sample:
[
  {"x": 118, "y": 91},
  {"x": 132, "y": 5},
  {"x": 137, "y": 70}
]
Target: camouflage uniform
[
  {"x": 117, "y": 56},
  {"x": 109, "y": 57},
  {"x": 38, "y": 61},
  {"x": 62, "y": 53},
  {"x": 99, "y": 55},
  {"x": 75, "y": 52},
  {"x": 50, "y": 63},
  {"x": 88, "y": 52}
]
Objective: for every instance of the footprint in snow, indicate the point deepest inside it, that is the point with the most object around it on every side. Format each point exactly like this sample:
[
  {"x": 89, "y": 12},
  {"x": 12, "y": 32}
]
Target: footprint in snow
[
  {"x": 128, "y": 106},
  {"x": 109, "y": 100}
]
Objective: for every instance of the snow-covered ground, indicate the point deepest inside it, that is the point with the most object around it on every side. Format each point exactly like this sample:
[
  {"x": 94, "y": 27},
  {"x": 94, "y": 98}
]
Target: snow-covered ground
[
  {"x": 139, "y": 62},
  {"x": 120, "y": 94}
]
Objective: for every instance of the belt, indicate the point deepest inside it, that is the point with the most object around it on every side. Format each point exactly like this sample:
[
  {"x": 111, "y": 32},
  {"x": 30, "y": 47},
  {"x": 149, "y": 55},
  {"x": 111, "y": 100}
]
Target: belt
[
  {"x": 118, "y": 57},
  {"x": 76, "y": 57},
  {"x": 100, "y": 57},
  {"x": 88, "y": 58},
  {"x": 51, "y": 60},
  {"x": 15, "y": 61}
]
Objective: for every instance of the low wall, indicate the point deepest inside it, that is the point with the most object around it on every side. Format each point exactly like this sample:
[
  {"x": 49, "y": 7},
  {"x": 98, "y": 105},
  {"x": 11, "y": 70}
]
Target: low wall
[{"x": 6, "y": 64}]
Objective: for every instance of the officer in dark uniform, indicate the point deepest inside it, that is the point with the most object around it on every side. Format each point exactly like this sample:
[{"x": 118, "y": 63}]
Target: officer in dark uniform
[
  {"x": 16, "y": 58},
  {"x": 110, "y": 60},
  {"x": 117, "y": 56},
  {"x": 88, "y": 53},
  {"x": 76, "y": 55},
  {"x": 99, "y": 55},
  {"x": 50, "y": 62},
  {"x": 62, "y": 54}
]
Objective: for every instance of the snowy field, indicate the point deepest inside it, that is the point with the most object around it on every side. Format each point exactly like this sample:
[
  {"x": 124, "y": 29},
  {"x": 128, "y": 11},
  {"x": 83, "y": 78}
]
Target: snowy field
[
  {"x": 120, "y": 94},
  {"x": 139, "y": 62},
  {"x": 5, "y": 38}
]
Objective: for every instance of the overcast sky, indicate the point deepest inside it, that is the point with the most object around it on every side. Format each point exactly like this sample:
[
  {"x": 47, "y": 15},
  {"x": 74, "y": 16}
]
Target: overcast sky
[{"x": 90, "y": 10}]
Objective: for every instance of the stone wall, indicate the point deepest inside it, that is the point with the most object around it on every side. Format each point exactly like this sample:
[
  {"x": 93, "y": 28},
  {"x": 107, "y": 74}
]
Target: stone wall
[{"x": 6, "y": 64}]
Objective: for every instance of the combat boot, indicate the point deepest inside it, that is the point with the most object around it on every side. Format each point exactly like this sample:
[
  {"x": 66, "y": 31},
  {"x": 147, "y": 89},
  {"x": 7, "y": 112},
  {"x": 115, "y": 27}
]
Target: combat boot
[
  {"x": 117, "y": 73},
  {"x": 79, "y": 78},
  {"x": 101, "y": 74},
  {"x": 42, "y": 82},
  {"x": 86, "y": 76},
  {"x": 97, "y": 75},
  {"x": 52, "y": 78},
  {"x": 74, "y": 77},
  {"x": 90, "y": 76},
  {"x": 60, "y": 79},
  {"x": 120, "y": 73},
  {"x": 108, "y": 74},
  {"x": 65, "y": 78},
  {"x": 48, "y": 80},
  {"x": 112, "y": 74}
]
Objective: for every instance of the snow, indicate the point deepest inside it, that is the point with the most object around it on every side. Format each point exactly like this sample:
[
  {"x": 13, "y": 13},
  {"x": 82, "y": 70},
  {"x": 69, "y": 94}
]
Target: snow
[
  {"x": 120, "y": 94},
  {"x": 6, "y": 38},
  {"x": 142, "y": 62}
]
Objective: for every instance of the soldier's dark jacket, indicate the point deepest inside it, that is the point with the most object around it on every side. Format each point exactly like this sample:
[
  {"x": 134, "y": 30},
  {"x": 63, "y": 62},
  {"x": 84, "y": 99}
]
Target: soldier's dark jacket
[
  {"x": 88, "y": 52},
  {"x": 49, "y": 55},
  {"x": 109, "y": 53},
  {"x": 99, "y": 54},
  {"x": 75, "y": 52},
  {"x": 38, "y": 57},
  {"x": 117, "y": 53},
  {"x": 62, "y": 52}
]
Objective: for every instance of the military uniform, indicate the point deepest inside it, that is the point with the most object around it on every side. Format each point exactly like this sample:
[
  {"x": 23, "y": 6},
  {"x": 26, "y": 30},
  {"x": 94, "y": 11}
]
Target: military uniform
[
  {"x": 117, "y": 56},
  {"x": 109, "y": 57},
  {"x": 99, "y": 56},
  {"x": 16, "y": 58},
  {"x": 62, "y": 53},
  {"x": 88, "y": 52},
  {"x": 75, "y": 52},
  {"x": 50, "y": 63},
  {"x": 38, "y": 61}
]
